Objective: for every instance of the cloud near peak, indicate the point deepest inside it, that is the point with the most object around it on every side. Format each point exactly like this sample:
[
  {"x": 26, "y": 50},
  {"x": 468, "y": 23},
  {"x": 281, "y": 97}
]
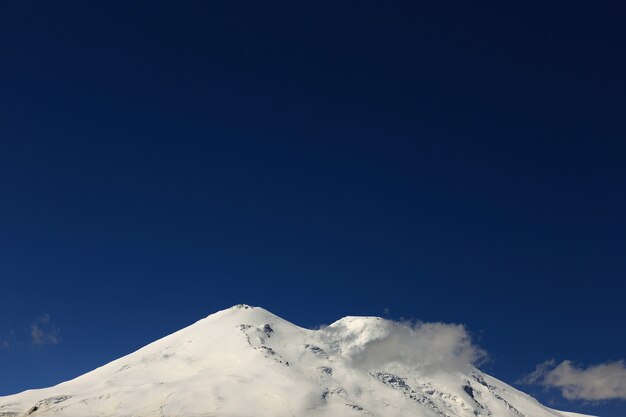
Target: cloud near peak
[
  {"x": 430, "y": 347},
  {"x": 606, "y": 381}
]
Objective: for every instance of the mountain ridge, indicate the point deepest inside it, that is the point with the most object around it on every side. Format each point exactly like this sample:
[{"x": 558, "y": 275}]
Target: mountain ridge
[{"x": 245, "y": 361}]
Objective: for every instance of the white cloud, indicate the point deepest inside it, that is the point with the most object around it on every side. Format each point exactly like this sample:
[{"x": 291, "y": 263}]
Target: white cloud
[
  {"x": 8, "y": 340},
  {"x": 43, "y": 333},
  {"x": 430, "y": 347},
  {"x": 595, "y": 383}
]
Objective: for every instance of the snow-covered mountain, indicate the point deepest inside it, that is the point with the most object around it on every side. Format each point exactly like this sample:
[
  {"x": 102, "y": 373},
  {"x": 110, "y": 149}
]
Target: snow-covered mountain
[{"x": 245, "y": 362}]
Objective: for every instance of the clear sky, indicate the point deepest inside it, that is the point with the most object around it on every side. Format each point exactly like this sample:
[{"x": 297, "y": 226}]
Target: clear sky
[{"x": 441, "y": 161}]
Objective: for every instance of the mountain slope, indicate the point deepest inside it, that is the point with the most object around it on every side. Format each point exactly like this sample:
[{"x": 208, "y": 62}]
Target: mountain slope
[{"x": 245, "y": 361}]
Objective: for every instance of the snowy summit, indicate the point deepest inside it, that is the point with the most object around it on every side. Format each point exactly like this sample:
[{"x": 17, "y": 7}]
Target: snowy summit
[{"x": 245, "y": 361}]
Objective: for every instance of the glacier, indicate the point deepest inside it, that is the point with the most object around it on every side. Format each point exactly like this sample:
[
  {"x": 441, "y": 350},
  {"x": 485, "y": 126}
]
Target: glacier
[{"x": 245, "y": 361}]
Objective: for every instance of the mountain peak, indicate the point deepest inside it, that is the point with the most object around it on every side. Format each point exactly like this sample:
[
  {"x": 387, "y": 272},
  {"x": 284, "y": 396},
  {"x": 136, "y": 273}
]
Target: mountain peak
[
  {"x": 241, "y": 307},
  {"x": 246, "y": 361}
]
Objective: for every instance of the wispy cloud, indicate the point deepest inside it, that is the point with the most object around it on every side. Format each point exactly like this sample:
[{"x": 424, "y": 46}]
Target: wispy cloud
[
  {"x": 606, "y": 381},
  {"x": 8, "y": 340},
  {"x": 42, "y": 331}
]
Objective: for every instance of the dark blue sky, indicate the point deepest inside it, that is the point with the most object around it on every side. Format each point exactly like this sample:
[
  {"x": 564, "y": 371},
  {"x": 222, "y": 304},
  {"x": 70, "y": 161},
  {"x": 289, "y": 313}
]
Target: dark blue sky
[{"x": 446, "y": 162}]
